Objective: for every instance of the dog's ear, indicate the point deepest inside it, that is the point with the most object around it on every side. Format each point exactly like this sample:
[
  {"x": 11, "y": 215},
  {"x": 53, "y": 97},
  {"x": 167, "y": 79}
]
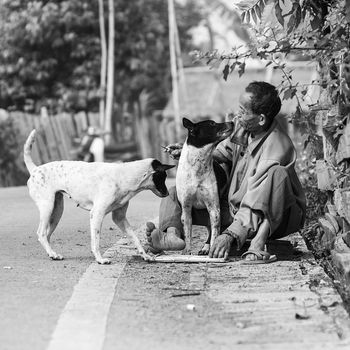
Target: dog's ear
[
  {"x": 187, "y": 124},
  {"x": 164, "y": 167},
  {"x": 158, "y": 166}
]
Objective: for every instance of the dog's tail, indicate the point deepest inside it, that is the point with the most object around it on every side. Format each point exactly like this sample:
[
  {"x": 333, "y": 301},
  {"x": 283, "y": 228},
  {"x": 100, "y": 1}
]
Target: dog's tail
[{"x": 27, "y": 152}]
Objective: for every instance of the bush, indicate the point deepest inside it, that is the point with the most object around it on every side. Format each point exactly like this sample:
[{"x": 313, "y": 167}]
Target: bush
[{"x": 12, "y": 169}]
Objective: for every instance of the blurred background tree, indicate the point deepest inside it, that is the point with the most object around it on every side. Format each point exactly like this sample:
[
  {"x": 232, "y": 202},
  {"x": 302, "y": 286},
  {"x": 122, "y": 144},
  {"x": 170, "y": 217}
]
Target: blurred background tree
[
  {"x": 50, "y": 52},
  {"x": 50, "y": 56}
]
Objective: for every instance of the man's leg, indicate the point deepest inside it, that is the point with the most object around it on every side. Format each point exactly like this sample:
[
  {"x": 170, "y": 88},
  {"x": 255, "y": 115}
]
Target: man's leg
[
  {"x": 169, "y": 235},
  {"x": 158, "y": 240},
  {"x": 201, "y": 218},
  {"x": 283, "y": 208},
  {"x": 259, "y": 241}
]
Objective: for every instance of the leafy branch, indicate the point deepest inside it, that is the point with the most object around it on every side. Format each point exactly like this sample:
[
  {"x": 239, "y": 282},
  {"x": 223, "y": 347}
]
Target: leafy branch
[
  {"x": 323, "y": 39},
  {"x": 252, "y": 11}
]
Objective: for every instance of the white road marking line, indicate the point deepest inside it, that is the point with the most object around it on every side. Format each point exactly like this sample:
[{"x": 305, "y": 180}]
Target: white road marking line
[{"x": 82, "y": 323}]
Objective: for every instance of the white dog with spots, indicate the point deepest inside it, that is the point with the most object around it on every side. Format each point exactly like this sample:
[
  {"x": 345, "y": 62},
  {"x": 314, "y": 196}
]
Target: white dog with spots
[
  {"x": 98, "y": 187},
  {"x": 196, "y": 177}
]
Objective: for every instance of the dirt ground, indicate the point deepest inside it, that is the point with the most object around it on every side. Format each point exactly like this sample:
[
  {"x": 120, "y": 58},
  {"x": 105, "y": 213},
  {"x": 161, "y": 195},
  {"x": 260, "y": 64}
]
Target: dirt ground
[{"x": 204, "y": 306}]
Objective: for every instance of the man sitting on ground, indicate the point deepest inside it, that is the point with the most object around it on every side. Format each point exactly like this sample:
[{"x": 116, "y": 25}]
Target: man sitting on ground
[{"x": 263, "y": 199}]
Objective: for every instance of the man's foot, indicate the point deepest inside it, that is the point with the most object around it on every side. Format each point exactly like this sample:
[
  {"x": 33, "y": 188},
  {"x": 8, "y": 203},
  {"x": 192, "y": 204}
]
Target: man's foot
[
  {"x": 250, "y": 257},
  {"x": 258, "y": 242},
  {"x": 157, "y": 240},
  {"x": 247, "y": 256},
  {"x": 262, "y": 257}
]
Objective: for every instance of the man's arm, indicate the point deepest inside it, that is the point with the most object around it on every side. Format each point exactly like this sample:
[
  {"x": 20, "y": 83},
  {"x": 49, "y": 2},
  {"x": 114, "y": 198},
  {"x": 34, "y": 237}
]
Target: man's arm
[
  {"x": 224, "y": 152},
  {"x": 220, "y": 158},
  {"x": 246, "y": 219},
  {"x": 174, "y": 150}
]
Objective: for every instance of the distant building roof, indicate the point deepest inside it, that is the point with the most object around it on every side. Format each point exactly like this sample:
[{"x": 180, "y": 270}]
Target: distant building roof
[{"x": 208, "y": 95}]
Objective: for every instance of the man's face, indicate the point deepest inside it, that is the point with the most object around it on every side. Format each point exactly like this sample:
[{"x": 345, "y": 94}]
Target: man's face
[{"x": 249, "y": 121}]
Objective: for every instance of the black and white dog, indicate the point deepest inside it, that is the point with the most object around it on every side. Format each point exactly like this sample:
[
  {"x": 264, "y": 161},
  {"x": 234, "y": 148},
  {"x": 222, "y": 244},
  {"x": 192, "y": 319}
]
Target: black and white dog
[
  {"x": 196, "y": 183},
  {"x": 98, "y": 187}
]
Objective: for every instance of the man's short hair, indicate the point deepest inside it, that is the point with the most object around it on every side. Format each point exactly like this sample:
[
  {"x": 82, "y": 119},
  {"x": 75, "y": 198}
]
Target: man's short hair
[{"x": 265, "y": 99}]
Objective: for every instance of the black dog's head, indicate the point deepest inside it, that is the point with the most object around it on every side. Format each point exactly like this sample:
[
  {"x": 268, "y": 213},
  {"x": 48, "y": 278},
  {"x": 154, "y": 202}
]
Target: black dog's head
[
  {"x": 158, "y": 178},
  {"x": 206, "y": 132}
]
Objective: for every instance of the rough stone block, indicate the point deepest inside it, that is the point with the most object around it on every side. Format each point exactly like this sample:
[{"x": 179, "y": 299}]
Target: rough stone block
[
  {"x": 326, "y": 179},
  {"x": 346, "y": 238},
  {"x": 327, "y": 235},
  {"x": 342, "y": 262},
  {"x": 342, "y": 202}
]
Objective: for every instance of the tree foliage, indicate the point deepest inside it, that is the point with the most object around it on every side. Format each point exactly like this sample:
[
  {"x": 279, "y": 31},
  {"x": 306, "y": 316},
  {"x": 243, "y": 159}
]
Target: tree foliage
[
  {"x": 50, "y": 51},
  {"x": 317, "y": 29},
  {"x": 142, "y": 47}
]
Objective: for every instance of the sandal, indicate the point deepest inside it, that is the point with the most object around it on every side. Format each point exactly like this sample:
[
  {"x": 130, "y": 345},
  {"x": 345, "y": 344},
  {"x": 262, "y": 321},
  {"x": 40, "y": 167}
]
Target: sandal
[{"x": 262, "y": 257}]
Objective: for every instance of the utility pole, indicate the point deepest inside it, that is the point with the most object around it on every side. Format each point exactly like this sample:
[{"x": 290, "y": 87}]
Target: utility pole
[
  {"x": 110, "y": 76},
  {"x": 173, "y": 64},
  {"x": 102, "y": 109},
  {"x": 180, "y": 66}
]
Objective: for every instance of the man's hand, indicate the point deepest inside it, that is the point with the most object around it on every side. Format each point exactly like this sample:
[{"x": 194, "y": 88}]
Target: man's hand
[
  {"x": 174, "y": 150},
  {"x": 221, "y": 246}
]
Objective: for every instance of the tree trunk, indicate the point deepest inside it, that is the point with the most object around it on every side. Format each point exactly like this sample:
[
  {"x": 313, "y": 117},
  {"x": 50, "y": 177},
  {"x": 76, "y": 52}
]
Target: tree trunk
[
  {"x": 110, "y": 76},
  {"x": 103, "y": 65},
  {"x": 142, "y": 131},
  {"x": 173, "y": 63},
  {"x": 211, "y": 35}
]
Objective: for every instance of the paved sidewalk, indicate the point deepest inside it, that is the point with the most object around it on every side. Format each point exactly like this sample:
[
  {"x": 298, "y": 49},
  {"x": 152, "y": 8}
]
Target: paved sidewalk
[{"x": 289, "y": 304}]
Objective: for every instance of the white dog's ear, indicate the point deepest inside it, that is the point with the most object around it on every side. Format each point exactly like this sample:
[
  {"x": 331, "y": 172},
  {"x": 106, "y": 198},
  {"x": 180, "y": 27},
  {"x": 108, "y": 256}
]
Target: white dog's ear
[
  {"x": 187, "y": 124},
  {"x": 163, "y": 167}
]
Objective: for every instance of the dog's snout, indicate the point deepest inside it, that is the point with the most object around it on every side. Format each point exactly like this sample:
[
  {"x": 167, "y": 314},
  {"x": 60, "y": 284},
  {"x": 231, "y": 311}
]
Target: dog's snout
[
  {"x": 229, "y": 125},
  {"x": 226, "y": 129},
  {"x": 165, "y": 193},
  {"x": 160, "y": 192}
]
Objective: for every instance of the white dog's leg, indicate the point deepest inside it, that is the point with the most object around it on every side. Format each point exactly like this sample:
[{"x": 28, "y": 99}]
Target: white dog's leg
[
  {"x": 206, "y": 247},
  {"x": 120, "y": 220},
  {"x": 186, "y": 218},
  {"x": 96, "y": 217},
  {"x": 214, "y": 215},
  {"x": 46, "y": 208},
  {"x": 56, "y": 214}
]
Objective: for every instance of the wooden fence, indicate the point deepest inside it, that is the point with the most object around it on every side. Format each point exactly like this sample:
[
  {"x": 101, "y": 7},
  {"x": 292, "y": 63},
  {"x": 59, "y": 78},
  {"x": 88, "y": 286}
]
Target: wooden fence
[
  {"x": 58, "y": 138},
  {"x": 57, "y": 135}
]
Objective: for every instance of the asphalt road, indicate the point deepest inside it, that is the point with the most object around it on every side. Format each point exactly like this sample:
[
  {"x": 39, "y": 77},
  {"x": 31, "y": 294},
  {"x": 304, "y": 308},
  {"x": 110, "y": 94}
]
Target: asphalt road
[{"x": 34, "y": 289}]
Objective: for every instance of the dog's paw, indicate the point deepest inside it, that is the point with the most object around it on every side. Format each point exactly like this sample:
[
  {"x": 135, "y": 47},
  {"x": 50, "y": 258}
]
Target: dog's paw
[
  {"x": 186, "y": 252},
  {"x": 56, "y": 257},
  {"x": 104, "y": 261},
  {"x": 205, "y": 249},
  {"x": 147, "y": 257}
]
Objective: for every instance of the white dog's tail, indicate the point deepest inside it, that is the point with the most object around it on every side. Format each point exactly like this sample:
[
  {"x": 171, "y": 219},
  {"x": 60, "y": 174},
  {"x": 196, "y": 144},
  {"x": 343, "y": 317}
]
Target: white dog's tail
[{"x": 27, "y": 152}]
